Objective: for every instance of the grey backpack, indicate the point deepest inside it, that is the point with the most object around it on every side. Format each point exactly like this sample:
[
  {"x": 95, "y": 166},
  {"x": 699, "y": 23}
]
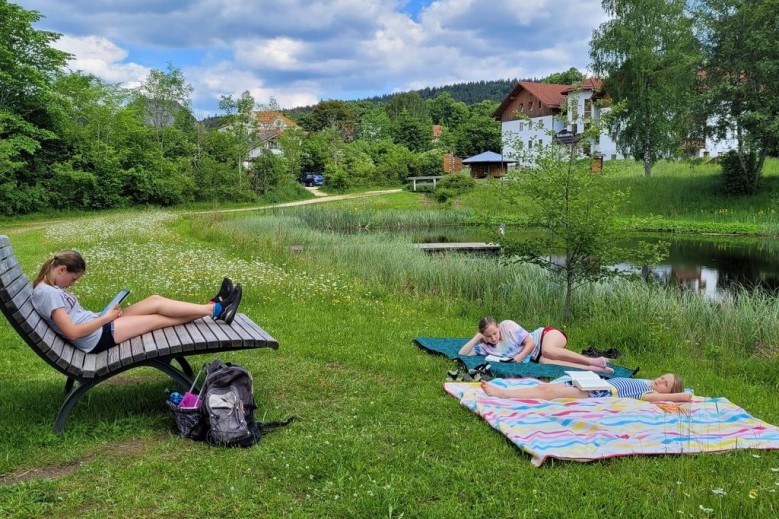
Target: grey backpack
[{"x": 228, "y": 405}]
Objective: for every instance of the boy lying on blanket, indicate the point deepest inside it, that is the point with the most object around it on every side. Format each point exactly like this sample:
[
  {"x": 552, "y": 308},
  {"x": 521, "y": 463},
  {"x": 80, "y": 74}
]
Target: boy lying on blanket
[{"x": 668, "y": 388}]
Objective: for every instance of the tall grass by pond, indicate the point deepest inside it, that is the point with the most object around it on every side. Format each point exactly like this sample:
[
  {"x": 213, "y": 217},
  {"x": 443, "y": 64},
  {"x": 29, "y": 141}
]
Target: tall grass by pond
[
  {"x": 748, "y": 318},
  {"x": 357, "y": 219}
]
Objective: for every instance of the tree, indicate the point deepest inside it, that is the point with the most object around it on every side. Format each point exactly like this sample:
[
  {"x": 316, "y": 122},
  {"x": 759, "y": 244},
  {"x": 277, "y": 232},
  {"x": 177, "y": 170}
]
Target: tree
[
  {"x": 242, "y": 126},
  {"x": 334, "y": 115},
  {"x": 647, "y": 54},
  {"x": 448, "y": 112},
  {"x": 740, "y": 78},
  {"x": 569, "y": 77},
  {"x": 410, "y": 103},
  {"x": 165, "y": 98},
  {"x": 479, "y": 133},
  {"x": 576, "y": 212},
  {"x": 28, "y": 65},
  {"x": 412, "y": 132},
  {"x": 375, "y": 125}
]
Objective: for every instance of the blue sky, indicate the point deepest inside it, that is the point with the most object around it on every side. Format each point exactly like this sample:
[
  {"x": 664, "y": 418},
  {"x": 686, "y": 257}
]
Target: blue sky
[{"x": 302, "y": 51}]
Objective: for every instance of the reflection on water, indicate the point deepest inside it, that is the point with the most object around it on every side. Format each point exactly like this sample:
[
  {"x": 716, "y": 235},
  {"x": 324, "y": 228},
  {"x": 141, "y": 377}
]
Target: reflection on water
[
  {"x": 706, "y": 264},
  {"x": 713, "y": 265}
]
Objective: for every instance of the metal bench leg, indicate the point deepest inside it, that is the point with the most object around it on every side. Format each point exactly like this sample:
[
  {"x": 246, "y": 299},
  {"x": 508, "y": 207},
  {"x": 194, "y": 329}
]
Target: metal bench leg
[
  {"x": 70, "y": 401},
  {"x": 185, "y": 366},
  {"x": 74, "y": 395},
  {"x": 69, "y": 384}
]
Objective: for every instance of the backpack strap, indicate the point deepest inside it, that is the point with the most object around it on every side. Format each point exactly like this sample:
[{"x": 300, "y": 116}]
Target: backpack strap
[{"x": 280, "y": 423}]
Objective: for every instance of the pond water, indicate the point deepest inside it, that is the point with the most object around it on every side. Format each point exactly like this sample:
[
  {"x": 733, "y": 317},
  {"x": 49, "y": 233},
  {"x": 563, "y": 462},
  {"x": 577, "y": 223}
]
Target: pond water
[{"x": 707, "y": 264}]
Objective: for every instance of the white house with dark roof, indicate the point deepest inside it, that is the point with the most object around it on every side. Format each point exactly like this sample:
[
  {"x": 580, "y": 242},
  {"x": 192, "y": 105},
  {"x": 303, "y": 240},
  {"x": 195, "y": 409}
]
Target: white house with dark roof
[{"x": 532, "y": 111}]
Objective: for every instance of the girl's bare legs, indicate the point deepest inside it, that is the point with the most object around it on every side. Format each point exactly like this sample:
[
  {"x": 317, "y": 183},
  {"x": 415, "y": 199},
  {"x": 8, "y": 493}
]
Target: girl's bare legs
[
  {"x": 156, "y": 312},
  {"x": 168, "y": 307},
  {"x": 554, "y": 351},
  {"x": 543, "y": 391}
]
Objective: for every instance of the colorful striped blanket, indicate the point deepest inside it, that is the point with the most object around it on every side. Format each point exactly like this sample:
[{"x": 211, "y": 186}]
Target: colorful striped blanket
[{"x": 597, "y": 428}]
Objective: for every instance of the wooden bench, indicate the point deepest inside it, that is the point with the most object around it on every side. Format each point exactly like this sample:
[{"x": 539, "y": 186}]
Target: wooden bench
[
  {"x": 423, "y": 179},
  {"x": 154, "y": 349}
]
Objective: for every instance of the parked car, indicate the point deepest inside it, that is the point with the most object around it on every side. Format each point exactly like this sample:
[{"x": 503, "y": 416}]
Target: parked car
[{"x": 311, "y": 179}]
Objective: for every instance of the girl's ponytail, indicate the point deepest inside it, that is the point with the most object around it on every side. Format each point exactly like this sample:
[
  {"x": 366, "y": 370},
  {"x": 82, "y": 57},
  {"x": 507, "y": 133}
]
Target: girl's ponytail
[{"x": 72, "y": 260}]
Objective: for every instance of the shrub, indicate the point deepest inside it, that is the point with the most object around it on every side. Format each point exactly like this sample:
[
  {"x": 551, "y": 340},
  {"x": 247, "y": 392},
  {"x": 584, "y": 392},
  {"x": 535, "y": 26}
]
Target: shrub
[
  {"x": 453, "y": 185},
  {"x": 739, "y": 172}
]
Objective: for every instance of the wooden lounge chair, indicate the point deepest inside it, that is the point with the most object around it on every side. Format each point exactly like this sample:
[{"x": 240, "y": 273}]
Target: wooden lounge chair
[{"x": 155, "y": 349}]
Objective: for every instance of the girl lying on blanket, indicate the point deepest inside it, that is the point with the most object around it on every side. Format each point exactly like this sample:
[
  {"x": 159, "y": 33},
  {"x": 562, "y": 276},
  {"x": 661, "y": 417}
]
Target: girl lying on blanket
[
  {"x": 668, "y": 388},
  {"x": 94, "y": 333},
  {"x": 545, "y": 345}
]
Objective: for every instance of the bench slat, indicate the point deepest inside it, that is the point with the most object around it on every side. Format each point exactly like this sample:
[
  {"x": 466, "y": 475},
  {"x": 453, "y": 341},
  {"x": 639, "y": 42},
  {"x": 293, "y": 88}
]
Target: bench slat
[
  {"x": 161, "y": 343},
  {"x": 149, "y": 346},
  {"x": 198, "y": 341}
]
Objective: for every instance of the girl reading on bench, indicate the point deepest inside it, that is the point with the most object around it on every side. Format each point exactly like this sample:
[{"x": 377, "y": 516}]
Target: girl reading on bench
[{"x": 94, "y": 333}]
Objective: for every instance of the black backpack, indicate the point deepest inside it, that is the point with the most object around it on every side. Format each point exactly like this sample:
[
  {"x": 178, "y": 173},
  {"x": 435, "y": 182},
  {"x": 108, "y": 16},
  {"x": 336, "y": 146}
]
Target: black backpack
[{"x": 228, "y": 405}]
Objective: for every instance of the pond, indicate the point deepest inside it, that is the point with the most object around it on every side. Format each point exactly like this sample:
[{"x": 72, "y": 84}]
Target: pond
[{"x": 707, "y": 264}]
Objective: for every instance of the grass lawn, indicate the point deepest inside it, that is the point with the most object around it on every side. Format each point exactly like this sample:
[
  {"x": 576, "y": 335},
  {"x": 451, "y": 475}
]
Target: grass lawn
[{"x": 376, "y": 435}]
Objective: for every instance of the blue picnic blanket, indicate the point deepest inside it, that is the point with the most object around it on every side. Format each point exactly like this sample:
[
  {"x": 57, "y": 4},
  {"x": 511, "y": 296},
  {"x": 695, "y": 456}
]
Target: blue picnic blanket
[{"x": 451, "y": 347}]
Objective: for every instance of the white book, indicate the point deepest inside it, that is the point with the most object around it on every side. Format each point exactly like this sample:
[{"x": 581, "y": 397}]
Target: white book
[
  {"x": 588, "y": 380},
  {"x": 497, "y": 358}
]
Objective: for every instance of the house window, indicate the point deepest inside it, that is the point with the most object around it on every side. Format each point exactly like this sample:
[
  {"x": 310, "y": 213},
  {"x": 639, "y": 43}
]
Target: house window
[
  {"x": 521, "y": 106},
  {"x": 574, "y": 128},
  {"x": 522, "y": 127},
  {"x": 530, "y": 106},
  {"x": 587, "y": 109},
  {"x": 530, "y": 143}
]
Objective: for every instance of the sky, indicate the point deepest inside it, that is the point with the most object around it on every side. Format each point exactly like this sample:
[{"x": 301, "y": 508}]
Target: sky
[{"x": 300, "y": 52}]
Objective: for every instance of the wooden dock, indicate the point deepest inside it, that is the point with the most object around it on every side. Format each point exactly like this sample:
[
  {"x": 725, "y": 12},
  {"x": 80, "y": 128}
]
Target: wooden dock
[{"x": 461, "y": 247}]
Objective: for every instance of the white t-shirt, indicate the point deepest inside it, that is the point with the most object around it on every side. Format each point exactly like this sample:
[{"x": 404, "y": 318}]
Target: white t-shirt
[
  {"x": 510, "y": 343},
  {"x": 46, "y": 299}
]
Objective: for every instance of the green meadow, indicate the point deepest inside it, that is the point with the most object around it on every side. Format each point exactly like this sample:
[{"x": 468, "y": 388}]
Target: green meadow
[{"x": 376, "y": 435}]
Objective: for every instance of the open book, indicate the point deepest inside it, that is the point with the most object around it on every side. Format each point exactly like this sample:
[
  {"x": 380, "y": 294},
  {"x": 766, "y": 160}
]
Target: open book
[
  {"x": 588, "y": 380},
  {"x": 121, "y": 296},
  {"x": 497, "y": 358}
]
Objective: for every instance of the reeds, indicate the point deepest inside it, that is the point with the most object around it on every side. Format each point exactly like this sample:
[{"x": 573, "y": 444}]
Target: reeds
[{"x": 620, "y": 313}]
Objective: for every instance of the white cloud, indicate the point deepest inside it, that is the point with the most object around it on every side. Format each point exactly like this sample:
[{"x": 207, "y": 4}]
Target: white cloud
[
  {"x": 299, "y": 51},
  {"x": 98, "y": 56}
]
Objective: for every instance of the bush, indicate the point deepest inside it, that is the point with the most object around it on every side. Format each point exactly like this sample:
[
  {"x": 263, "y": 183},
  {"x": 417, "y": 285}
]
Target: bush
[
  {"x": 452, "y": 186},
  {"x": 336, "y": 178},
  {"x": 739, "y": 176}
]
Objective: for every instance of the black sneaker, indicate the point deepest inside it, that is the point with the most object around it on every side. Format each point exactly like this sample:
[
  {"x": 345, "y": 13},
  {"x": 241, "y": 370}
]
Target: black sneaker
[
  {"x": 230, "y": 305},
  {"x": 224, "y": 291},
  {"x": 592, "y": 352},
  {"x": 613, "y": 353}
]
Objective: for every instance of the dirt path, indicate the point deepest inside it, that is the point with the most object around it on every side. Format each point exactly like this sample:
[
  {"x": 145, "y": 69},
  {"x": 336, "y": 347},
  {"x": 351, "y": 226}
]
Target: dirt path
[{"x": 321, "y": 197}]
